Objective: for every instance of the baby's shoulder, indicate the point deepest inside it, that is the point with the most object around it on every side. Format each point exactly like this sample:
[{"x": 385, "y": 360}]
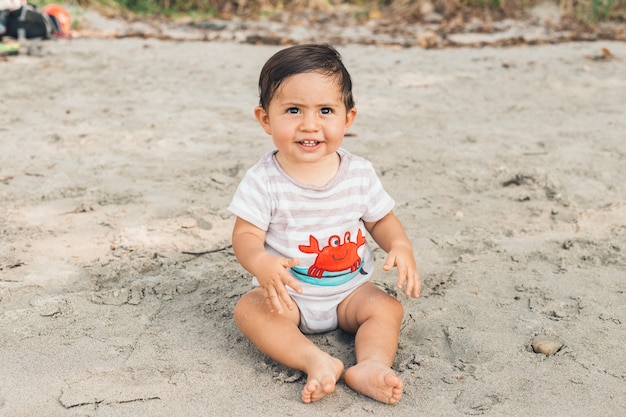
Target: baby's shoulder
[
  {"x": 354, "y": 161},
  {"x": 264, "y": 167}
]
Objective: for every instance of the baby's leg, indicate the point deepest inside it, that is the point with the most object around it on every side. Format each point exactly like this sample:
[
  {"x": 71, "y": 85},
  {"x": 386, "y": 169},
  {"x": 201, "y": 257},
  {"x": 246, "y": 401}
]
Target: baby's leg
[
  {"x": 278, "y": 336},
  {"x": 376, "y": 318}
]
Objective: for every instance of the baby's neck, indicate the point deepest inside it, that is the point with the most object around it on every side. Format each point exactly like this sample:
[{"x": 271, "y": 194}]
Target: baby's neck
[{"x": 317, "y": 174}]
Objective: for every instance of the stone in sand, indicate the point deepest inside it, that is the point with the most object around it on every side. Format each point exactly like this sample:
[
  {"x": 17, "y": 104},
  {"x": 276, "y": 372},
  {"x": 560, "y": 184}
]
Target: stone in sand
[{"x": 548, "y": 345}]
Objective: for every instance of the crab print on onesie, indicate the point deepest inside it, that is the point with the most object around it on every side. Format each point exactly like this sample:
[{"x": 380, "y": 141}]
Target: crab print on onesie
[{"x": 335, "y": 263}]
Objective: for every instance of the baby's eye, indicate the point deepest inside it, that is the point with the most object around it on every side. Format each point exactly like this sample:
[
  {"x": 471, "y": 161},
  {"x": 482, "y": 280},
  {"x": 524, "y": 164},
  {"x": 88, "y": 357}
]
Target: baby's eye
[
  {"x": 326, "y": 110},
  {"x": 293, "y": 110}
]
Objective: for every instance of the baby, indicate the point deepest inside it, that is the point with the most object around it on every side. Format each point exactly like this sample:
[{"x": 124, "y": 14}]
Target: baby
[{"x": 302, "y": 214}]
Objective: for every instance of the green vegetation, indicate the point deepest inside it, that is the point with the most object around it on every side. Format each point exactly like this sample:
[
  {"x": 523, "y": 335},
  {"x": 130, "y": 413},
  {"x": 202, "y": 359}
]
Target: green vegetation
[
  {"x": 601, "y": 8},
  {"x": 593, "y": 11},
  {"x": 581, "y": 11}
]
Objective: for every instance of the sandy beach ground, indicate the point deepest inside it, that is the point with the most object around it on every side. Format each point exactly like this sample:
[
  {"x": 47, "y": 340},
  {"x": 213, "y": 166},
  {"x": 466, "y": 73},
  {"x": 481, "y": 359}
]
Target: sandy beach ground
[{"x": 118, "y": 158}]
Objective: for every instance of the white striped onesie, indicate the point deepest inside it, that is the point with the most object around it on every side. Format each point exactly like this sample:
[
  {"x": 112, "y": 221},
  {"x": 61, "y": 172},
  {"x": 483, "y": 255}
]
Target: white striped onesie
[{"x": 321, "y": 226}]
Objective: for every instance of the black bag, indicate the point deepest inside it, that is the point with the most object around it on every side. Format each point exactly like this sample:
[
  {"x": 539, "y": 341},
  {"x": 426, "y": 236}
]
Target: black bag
[{"x": 29, "y": 22}]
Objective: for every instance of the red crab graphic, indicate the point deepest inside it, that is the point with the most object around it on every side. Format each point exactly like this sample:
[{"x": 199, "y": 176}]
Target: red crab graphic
[{"x": 336, "y": 256}]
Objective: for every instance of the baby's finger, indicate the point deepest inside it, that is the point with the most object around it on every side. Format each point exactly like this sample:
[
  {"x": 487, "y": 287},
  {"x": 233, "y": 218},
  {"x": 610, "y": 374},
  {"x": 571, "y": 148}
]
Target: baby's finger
[
  {"x": 405, "y": 285},
  {"x": 274, "y": 300},
  {"x": 292, "y": 282},
  {"x": 413, "y": 285},
  {"x": 289, "y": 280},
  {"x": 409, "y": 286},
  {"x": 389, "y": 263},
  {"x": 417, "y": 288},
  {"x": 285, "y": 297},
  {"x": 290, "y": 262},
  {"x": 402, "y": 276}
]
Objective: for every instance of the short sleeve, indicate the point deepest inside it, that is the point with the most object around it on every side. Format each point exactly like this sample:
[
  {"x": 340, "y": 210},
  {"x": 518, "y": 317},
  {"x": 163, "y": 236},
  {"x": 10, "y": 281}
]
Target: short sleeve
[
  {"x": 380, "y": 202},
  {"x": 252, "y": 201}
]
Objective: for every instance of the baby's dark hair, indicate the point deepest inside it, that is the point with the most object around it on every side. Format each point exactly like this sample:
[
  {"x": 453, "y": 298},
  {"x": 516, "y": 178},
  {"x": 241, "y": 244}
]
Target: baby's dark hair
[{"x": 299, "y": 59}]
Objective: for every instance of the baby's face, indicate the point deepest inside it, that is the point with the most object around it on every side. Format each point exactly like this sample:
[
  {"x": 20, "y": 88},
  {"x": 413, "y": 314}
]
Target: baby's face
[{"x": 307, "y": 118}]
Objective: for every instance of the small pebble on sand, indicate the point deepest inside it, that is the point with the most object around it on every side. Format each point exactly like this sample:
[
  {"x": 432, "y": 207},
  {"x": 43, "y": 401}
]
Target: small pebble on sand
[{"x": 548, "y": 345}]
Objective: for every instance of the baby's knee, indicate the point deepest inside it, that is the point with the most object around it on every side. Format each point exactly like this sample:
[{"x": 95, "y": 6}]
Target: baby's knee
[
  {"x": 393, "y": 307},
  {"x": 243, "y": 311}
]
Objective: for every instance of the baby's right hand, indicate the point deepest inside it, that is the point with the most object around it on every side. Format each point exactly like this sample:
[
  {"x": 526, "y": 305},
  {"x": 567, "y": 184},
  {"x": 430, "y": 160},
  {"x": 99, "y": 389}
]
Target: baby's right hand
[{"x": 274, "y": 277}]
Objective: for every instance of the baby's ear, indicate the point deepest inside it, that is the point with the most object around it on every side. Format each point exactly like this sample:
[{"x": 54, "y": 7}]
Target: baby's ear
[
  {"x": 263, "y": 118},
  {"x": 350, "y": 116}
]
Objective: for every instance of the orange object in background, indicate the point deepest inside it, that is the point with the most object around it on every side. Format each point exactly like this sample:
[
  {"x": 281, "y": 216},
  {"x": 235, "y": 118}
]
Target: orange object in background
[{"x": 61, "y": 15}]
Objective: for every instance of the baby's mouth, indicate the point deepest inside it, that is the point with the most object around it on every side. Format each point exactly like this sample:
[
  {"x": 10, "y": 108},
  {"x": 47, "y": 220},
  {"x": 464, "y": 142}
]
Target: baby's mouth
[{"x": 309, "y": 143}]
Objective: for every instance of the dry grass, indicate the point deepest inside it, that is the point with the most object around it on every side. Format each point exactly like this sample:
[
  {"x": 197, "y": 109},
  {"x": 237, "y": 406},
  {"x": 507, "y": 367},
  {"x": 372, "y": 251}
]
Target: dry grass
[{"x": 582, "y": 11}]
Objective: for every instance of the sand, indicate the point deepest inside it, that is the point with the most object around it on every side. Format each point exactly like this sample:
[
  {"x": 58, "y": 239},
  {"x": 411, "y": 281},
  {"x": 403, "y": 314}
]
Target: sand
[{"x": 118, "y": 158}]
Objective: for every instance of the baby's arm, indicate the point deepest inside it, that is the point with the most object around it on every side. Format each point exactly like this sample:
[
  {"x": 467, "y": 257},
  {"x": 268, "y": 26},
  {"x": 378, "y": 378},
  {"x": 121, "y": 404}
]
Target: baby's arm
[
  {"x": 391, "y": 237},
  {"x": 270, "y": 271}
]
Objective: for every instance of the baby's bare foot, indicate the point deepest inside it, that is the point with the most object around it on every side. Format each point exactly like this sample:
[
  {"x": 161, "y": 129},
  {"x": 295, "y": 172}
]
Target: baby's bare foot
[
  {"x": 322, "y": 378},
  {"x": 375, "y": 380}
]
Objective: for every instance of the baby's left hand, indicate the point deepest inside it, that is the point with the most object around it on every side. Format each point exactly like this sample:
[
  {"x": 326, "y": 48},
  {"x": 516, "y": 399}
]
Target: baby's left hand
[{"x": 402, "y": 258}]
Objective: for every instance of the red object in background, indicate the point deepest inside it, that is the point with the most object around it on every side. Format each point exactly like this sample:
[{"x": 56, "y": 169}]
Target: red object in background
[{"x": 62, "y": 16}]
